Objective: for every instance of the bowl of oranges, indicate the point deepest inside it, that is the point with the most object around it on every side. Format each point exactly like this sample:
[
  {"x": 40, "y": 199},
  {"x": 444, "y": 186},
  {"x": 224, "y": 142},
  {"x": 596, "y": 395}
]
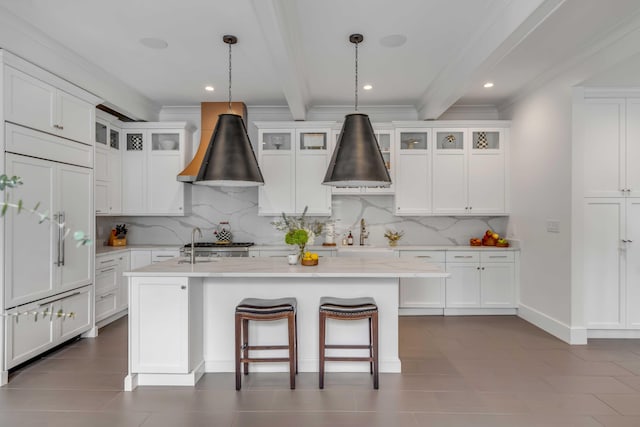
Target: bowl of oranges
[{"x": 309, "y": 259}]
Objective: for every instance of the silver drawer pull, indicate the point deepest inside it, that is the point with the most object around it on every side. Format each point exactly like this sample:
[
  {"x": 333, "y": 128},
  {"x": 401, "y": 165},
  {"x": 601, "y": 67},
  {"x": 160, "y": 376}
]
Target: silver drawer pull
[
  {"x": 107, "y": 295},
  {"x": 497, "y": 256},
  {"x": 463, "y": 256},
  {"x": 106, "y": 270},
  {"x": 164, "y": 256},
  {"x": 59, "y": 299},
  {"x": 423, "y": 256},
  {"x": 109, "y": 260}
]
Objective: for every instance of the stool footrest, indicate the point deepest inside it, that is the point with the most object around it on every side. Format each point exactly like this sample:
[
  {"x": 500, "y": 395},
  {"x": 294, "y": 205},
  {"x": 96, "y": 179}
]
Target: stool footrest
[
  {"x": 348, "y": 359},
  {"x": 265, "y": 347},
  {"x": 347, "y": 346},
  {"x": 264, "y": 359}
]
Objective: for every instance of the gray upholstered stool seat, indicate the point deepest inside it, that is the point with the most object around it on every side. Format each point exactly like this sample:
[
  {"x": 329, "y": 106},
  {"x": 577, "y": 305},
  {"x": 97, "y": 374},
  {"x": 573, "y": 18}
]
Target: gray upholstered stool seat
[
  {"x": 266, "y": 306},
  {"x": 259, "y": 309},
  {"x": 349, "y": 309},
  {"x": 347, "y": 305}
]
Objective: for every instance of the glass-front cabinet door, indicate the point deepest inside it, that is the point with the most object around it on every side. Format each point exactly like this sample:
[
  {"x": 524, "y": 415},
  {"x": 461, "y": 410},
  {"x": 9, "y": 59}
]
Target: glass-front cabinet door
[
  {"x": 276, "y": 157},
  {"x": 165, "y": 141},
  {"x": 450, "y": 192},
  {"x": 487, "y": 172},
  {"x": 413, "y": 171}
]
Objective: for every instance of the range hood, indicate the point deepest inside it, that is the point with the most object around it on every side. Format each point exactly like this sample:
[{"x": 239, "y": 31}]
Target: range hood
[{"x": 209, "y": 112}]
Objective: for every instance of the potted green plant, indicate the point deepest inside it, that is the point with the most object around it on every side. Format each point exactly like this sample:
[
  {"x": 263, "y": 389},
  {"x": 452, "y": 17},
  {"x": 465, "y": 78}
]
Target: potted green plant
[{"x": 299, "y": 231}]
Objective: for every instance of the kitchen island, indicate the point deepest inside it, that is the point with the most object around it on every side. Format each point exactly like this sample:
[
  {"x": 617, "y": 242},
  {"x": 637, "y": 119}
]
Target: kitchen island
[{"x": 181, "y": 315}]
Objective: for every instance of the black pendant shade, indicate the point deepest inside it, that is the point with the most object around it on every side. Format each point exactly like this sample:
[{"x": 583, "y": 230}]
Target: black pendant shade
[
  {"x": 357, "y": 160},
  {"x": 229, "y": 160}
]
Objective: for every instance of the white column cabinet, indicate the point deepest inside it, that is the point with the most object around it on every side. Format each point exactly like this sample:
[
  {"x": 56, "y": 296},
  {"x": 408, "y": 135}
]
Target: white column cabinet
[
  {"x": 61, "y": 190},
  {"x": 153, "y": 155},
  {"x": 611, "y": 271},
  {"x": 294, "y": 158},
  {"x": 108, "y": 165}
]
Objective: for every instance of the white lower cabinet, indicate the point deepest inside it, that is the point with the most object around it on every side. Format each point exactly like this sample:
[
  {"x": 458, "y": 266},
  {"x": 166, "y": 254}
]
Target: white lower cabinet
[
  {"x": 110, "y": 286},
  {"x": 28, "y": 337},
  {"x": 140, "y": 258},
  {"x": 423, "y": 293},
  {"x": 166, "y": 325},
  {"x": 481, "y": 279}
]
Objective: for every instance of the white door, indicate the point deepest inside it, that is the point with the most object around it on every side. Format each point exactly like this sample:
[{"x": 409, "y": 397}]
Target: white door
[
  {"x": 124, "y": 264},
  {"x": 29, "y": 101},
  {"x": 463, "y": 285},
  {"x": 450, "y": 190},
  {"x": 101, "y": 166},
  {"x": 312, "y": 160},
  {"x": 102, "y": 191},
  {"x": 497, "y": 285},
  {"x": 27, "y": 338},
  {"x": 602, "y": 137},
  {"x": 80, "y": 304},
  {"x": 423, "y": 292},
  {"x": 413, "y": 172},
  {"x": 30, "y": 247},
  {"x": 277, "y": 163},
  {"x": 632, "y": 262},
  {"x": 140, "y": 259},
  {"x": 76, "y": 118},
  {"x": 603, "y": 274},
  {"x": 632, "y": 171},
  {"x": 115, "y": 184},
  {"x": 165, "y": 193},
  {"x": 74, "y": 201}
]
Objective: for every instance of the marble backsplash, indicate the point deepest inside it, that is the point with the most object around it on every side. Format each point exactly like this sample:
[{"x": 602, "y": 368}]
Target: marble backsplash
[{"x": 239, "y": 206}]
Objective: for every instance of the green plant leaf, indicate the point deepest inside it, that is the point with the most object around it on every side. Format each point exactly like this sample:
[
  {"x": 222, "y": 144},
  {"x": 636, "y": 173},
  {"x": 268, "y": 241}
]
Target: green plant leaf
[{"x": 5, "y": 206}]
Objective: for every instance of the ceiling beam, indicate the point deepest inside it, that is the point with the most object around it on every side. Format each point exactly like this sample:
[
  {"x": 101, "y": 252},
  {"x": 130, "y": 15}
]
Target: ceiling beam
[
  {"x": 279, "y": 24},
  {"x": 509, "y": 27}
]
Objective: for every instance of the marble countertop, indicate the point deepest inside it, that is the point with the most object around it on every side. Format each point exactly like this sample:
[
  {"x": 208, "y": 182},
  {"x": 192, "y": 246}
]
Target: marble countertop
[
  {"x": 354, "y": 248},
  {"x": 278, "y": 267}
]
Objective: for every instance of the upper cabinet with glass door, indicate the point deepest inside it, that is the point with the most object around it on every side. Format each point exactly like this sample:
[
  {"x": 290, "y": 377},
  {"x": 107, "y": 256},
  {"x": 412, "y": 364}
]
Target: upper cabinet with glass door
[{"x": 413, "y": 171}]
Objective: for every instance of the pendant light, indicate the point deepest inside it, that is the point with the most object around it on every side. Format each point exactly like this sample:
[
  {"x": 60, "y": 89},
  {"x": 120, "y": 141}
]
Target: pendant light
[
  {"x": 357, "y": 160},
  {"x": 229, "y": 160}
]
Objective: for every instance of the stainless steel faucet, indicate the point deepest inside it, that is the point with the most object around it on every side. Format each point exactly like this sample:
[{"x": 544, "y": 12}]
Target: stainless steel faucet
[
  {"x": 193, "y": 238},
  {"x": 364, "y": 234}
]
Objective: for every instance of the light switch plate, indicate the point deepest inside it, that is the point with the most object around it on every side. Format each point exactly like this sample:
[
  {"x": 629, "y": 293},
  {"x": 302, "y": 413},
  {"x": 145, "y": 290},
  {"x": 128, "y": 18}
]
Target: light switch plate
[{"x": 553, "y": 226}]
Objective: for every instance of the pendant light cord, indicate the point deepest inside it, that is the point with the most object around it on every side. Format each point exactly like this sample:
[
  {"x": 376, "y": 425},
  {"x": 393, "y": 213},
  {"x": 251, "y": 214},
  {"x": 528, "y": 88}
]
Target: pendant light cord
[
  {"x": 230, "y": 78},
  {"x": 356, "y": 76}
]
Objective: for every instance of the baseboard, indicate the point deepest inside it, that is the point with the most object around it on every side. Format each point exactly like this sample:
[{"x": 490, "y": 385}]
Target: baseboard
[
  {"x": 613, "y": 333},
  {"x": 560, "y": 330},
  {"x": 132, "y": 381},
  {"x": 4, "y": 378},
  {"x": 404, "y": 311},
  {"x": 480, "y": 311},
  {"x": 112, "y": 318}
]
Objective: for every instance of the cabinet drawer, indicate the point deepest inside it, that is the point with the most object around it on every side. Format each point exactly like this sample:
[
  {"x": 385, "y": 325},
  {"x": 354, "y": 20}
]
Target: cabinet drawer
[
  {"x": 497, "y": 256},
  {"x": 106, "y": 305},
  {"x": 80, "y": 305},
  {"x": 427, "y": 256},
  {"x": 104, "y": 261},
  {"x": 463, "y": 256},
  {"x": 106, "y": 279},
  {"x": 163, "y": 255}
]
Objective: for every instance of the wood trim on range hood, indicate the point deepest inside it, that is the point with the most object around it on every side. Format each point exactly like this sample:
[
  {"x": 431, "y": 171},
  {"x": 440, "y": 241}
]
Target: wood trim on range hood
[{"x": 209, "y": 112}]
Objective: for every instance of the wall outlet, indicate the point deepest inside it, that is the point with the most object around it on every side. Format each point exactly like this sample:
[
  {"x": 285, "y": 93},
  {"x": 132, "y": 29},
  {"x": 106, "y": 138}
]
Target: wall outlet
[{"x": 553, "y": 226}]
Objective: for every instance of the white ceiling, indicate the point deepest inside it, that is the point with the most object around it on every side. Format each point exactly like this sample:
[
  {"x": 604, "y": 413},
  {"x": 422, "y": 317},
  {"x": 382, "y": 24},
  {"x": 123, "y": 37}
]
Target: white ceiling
[{"x": 297, "y": 53}]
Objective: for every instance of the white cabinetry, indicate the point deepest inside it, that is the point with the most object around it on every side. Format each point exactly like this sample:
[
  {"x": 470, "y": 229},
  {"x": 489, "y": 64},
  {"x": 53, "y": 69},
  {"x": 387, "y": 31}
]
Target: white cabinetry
[
  {"x": 480, "y": 279},
  {"x": 469, "y": 171},
  {"x": 32, "y": 102},
  {"x": 41, "y": 260},
  {"x": 27, "y": 338},
  {"x": 153, "y": 155},
  {"x": 140, "y": 258},
  {"x": 385, "y": 138},
  {"x": 108, "y": 166},
  {"x": 423, "y": 293},
  {"x": 166, "y": 324},
  {"x": 107, "y": 282},
  {"x": 293, "y": 159},
  {"x": 413, "y": 171},
  {"x": 611, "y": 271}
]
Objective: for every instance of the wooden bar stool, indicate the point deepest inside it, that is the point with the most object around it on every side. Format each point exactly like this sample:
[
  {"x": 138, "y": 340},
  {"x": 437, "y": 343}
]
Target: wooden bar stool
[
  {"x": 266, "y": 310},
  {"x": 350, "y": 309}
]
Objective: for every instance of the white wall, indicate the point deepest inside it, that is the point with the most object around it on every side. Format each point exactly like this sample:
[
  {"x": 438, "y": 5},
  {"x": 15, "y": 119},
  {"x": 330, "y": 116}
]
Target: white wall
[{"x": 541, "y": 190}]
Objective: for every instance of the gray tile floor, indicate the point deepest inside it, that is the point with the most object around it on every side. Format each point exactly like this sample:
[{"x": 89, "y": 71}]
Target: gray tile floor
[{"x": 458, "y": 371}]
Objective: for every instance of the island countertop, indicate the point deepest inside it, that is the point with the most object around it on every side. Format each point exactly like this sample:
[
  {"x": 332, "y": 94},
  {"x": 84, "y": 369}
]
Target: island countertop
[{"x": 278, "y": 267}]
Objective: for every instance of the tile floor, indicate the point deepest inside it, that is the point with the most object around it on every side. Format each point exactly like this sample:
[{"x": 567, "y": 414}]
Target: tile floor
[{"x": 458, "y": 371}]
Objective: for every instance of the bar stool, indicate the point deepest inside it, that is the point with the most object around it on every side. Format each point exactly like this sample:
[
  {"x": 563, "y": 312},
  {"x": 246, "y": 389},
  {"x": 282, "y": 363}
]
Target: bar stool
[
  {"x": 266, "y": 310},
  {"x": 350, "y": 309}
]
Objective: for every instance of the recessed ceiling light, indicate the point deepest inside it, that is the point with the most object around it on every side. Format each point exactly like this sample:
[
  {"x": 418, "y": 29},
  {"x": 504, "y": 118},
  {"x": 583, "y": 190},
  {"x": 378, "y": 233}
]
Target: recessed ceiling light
[
  {"x": 367, "y": 87},
  {"x": 208, "y": 88},
  {"x": 154, "y": 43},
  {"x": 393, "y": 40},
  {"x": 488, "y": 85}
]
